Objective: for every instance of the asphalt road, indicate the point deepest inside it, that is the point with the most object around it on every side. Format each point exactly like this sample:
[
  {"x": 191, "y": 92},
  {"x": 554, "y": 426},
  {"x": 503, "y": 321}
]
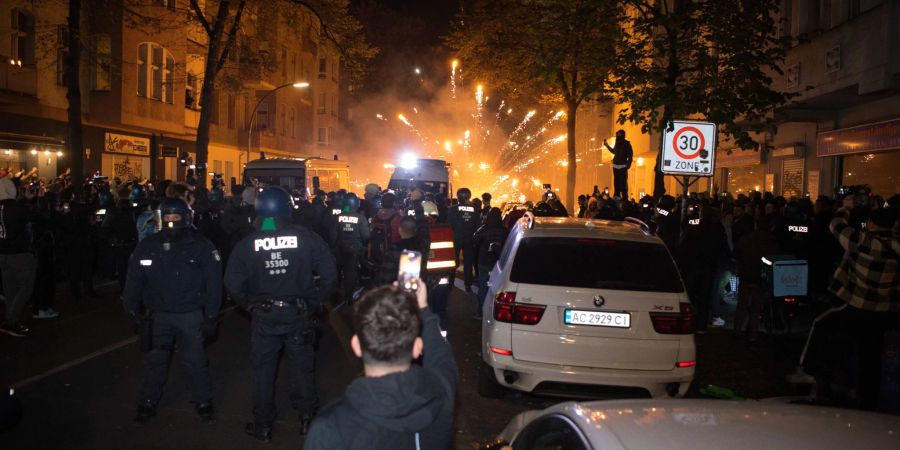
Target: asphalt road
[{"x": 78, "y": 378}]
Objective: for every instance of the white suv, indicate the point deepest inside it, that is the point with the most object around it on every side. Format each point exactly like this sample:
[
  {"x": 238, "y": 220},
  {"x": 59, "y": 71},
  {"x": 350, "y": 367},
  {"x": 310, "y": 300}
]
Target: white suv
[{"x": 586, "y": 307}]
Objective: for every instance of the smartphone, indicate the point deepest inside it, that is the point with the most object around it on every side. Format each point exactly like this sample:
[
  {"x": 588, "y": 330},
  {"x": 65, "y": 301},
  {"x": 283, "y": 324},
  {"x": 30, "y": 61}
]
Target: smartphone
[
  {"x": 66, "y": 208},
  {"x": 410, "y": 268}
]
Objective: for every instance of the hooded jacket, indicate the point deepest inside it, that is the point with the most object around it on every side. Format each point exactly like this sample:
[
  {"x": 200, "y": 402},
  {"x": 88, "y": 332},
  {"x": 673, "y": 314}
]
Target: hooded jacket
[{"x": 406, "y": 410}]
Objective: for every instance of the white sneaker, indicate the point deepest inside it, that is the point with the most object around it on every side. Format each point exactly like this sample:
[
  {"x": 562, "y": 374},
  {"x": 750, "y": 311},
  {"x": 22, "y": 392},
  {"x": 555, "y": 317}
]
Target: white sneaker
[
  {"x": 444, "y": 334},
  {"x": 718, "y": 322},
  {"x": 48, "y": 313}
]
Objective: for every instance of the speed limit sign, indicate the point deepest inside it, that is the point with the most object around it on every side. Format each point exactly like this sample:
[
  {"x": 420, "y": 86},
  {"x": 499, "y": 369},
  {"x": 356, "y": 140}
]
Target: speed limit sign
[{"x": 689, "y": 148}]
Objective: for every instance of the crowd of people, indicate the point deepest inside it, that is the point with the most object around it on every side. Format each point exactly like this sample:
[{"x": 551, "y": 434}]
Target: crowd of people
[{"x": 283, "y": 255}]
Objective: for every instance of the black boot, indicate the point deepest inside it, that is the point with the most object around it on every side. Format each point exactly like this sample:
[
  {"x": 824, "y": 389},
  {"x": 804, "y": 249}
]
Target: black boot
[
  {"x": 305, "y": 422},
  {"x": 145, "y": 411},
  {"x": 260, "y": 432},
  {"x": 205, "y": 411}
]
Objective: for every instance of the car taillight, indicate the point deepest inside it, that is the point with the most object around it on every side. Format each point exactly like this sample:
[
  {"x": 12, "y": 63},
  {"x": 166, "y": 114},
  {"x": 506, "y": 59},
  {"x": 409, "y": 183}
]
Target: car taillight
[
  {"x": 680, "y": 323},
  {"x": 507, "y": 310}
]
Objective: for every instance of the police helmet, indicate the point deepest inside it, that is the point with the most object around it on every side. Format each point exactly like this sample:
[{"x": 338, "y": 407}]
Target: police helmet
[
  {"x": 351, "y": 203},
  {"x": 179, "y": 207},
  {"x": 274, "y": 201},
  {"x": 463, "y": 194},
  {"x": 138, "y": 193}
]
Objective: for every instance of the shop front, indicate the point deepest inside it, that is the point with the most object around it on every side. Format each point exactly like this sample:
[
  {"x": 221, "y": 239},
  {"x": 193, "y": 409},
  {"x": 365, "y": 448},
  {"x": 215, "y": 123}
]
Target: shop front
[
  {"x": 867, "y": 154},
  {"x": 743, "y": 170},
  {"x": 125, "y": 156},
  {"x": 39, "y": 156}
]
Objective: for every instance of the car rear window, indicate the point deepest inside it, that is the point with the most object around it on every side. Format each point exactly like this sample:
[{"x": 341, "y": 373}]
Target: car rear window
[{"x": 596, "y": 264}]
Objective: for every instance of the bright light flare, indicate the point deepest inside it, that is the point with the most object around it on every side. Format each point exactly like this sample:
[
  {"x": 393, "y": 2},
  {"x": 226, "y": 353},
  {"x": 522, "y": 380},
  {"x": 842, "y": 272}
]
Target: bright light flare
[
  {"x": 404, "y": 120},
  {"x": 418, "y": 71},
  {"x": 448, "y": 146},
  {"x": 408, "y": 161},
  {"x": 559, "y": 114},
  {"x": 484, "y": 166},
  {"x": 389, "y": 166},
  {"x": 515, "y": 182}
]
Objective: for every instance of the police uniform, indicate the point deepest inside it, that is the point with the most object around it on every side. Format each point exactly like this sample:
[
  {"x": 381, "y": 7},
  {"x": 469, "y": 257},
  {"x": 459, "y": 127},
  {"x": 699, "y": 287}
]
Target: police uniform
[
  {"x": 271, "y": 273},
  {"x": 464, "y": 220},
  {"x": 351, "y": 237},
  {"x": 177, "y": 276}
]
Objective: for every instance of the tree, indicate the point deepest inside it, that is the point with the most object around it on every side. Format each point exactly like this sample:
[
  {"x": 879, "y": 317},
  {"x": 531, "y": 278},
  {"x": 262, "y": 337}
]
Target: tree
[
  {"x": 335, "y": 23},
  {"x": 72, "y": 79},
  {"x": 709, "y": 58},
  {"x": 560, "y": 51}
]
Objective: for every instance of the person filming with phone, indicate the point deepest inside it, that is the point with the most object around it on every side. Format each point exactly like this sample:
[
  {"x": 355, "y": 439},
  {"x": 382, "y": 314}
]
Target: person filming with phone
[
  {"x": 399, "y": 403},
  {"x": 621, "y": 163}
]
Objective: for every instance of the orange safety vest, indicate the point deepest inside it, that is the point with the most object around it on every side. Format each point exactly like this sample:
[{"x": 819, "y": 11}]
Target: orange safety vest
[{"x": 441, "y": 259}]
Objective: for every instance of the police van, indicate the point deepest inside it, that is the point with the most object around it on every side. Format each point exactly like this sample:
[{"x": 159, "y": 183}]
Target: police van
[
  {"x": 299, "y": 175},
  {"x": 432, "y": 176}
]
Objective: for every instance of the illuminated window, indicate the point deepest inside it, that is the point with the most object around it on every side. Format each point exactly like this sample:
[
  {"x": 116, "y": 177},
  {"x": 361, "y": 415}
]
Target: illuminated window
[
  {"x": 155, "y": 69},
  {"x": 22, "y": 42}
]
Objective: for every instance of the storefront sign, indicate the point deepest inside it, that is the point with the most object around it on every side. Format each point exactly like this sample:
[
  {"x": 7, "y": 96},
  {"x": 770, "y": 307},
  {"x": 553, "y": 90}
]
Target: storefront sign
[
  {"x": 792, "y": 178},
  {"x": 862, "y": 139},
  {"x": 738, "y": 158},
  {"x": 168, "y": 151},
  {"x": 812, "y": 184},
  {"x": 128, "y": 145},
  {"x": 794, "y": 150}
]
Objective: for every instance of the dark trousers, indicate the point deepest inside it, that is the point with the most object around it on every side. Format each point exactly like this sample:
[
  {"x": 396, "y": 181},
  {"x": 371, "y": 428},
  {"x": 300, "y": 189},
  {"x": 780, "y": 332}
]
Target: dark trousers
[
  {"x": 81, "y": 271},
  {"x": 468, "y": 255},
  {"x": 121, "y": 254},
  {"x": 699, "y": 287},
  {"x": 45, "y": 281},
  {"x": 620, "y": 183},
  {"x": 185, "y": 329},
  {"x": 484, "y": 273},
  {"x": 348, "y": 259},
  {"x": 287, "y": 327},
  {"x": 18, "y": 271},
  {"x": 438, "y": 297}
]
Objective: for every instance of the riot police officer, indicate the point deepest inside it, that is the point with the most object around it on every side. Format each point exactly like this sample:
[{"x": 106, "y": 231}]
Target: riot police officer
[
  {"x": 176, "y": 275},
  {"x": 271, "y": 273},
  {"x": 464, "y": 220},
  {"x": 351, "y": 236}
]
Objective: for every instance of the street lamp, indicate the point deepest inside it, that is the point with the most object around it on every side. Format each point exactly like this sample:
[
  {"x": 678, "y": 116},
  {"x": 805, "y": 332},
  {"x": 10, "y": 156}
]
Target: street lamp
[{"x": 297, "y": 85}]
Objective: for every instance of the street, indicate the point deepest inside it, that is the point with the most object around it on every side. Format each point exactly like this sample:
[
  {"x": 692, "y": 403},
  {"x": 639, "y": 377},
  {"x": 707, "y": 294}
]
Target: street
[{"x": 78, "y": 376}]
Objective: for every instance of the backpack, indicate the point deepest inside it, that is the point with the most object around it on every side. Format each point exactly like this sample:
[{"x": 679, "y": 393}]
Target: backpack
[{"x": 381, "y": 236}]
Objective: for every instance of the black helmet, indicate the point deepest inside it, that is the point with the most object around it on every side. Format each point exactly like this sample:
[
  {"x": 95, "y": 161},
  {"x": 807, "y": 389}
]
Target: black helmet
[
  {"x": 179, "y": 207},
  {"x": 274, "y": 201},
  {"x": 351, "y": 203},
  {"x": 463, "y": 194}
]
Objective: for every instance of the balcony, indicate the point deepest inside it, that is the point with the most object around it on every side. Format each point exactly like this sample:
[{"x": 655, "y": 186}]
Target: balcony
[{"x": 16, "y": 81}]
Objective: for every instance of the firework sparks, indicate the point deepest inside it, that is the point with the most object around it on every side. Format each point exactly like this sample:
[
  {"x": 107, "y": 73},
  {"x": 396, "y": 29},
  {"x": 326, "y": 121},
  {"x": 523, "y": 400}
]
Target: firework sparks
[{"x": 453, "y": 65}]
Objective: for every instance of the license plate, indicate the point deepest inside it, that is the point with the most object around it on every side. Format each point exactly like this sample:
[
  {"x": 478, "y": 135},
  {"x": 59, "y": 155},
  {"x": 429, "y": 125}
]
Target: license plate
[{"x": 598, "y": 318}]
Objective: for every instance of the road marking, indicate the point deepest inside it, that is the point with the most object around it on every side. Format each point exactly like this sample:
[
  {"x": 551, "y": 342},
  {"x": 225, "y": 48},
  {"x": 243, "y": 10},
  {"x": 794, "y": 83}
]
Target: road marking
[{"x": 88, "y": 357}]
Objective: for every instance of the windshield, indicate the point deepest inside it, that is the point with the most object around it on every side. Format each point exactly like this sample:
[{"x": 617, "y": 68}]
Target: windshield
[
  {"x": 430, "y": 187},
  {"x": 596, "y": 264},
  {"x": 290, "y": 181}
]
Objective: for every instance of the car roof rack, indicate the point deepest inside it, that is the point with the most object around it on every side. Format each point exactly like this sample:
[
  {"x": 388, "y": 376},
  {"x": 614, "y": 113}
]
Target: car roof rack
[{"x": 635, "y": 221}]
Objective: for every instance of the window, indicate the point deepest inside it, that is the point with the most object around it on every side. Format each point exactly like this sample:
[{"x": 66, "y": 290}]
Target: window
[
  {"x": 217, "y": 166},
  {"x": 322, "y": 100},
  {"x": 334, "y": 107},
  {"x": 334, "y": 70},
  {"x": 192, "y": 91},
  {"x": 62, "y": 42},
  {"x": 167, "y": 3},
  {"x": 323, "y": 68},
  {"x": 231, "y": 107},
  {"x": 155, "y": 69},
  {"x": 331, "y": 136},
  {"x": 323, "y": 136},
  {"x": 284, "y": 63},
  {"x": 22, "y": 37},
  {"x": 293, "y": 67},
  {"x": 595, "y": 264},
  {"x": 283, "y": 123},
  {"x": 102, "y": 57},
  {"x": 246, "y": 123},
  {"x": 262, "y": 117},
  {"x": 229, "y": 170},
  {"x": 550, "y": 433},
  {"x": 293, "y": 123}
]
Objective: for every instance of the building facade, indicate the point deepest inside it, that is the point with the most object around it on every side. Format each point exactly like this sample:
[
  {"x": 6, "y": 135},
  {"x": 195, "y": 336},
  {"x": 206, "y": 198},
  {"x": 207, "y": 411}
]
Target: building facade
[{"x": 141, "y": 77}]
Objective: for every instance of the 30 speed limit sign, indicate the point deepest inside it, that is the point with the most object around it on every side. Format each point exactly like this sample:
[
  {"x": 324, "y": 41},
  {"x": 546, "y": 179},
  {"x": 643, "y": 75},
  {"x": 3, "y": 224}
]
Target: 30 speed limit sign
[{"x": 689, "y": 148}]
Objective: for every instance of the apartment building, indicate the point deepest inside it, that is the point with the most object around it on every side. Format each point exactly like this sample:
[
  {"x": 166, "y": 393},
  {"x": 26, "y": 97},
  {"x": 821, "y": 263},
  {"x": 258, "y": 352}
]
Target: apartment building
[
  {"x": 843, "y": 128},
  {"x": 142, "y": 73}
]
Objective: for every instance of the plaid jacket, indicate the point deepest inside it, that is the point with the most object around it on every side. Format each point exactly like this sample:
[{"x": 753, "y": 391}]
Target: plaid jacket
[{"x": 867, "y": 278}]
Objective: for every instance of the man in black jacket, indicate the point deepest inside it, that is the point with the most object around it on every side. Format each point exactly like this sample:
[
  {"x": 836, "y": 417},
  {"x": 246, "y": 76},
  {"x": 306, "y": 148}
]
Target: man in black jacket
[
  {"x": 621, "y": 163},
  {"x": 398, "y": 404},
  {"x": 17, "y": 264}
]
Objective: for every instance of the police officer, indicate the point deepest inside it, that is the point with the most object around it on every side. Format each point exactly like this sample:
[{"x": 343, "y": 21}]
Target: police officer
[
  {"x": 351, "y": 237},
  {"x": 464, "y": 220},
  {"x": 176, "y": 275},
  {"x": 271, "y": 274}
]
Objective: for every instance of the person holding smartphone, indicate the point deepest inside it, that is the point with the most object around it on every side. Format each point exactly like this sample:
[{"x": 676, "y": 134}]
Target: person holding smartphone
[
  {"x": 621, "y": 163},
  {"x": 398, "y": 404}
]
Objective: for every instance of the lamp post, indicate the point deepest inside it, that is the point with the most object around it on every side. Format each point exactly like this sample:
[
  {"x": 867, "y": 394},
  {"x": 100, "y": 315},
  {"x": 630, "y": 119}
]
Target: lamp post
[{"x": 298, "y": 85}]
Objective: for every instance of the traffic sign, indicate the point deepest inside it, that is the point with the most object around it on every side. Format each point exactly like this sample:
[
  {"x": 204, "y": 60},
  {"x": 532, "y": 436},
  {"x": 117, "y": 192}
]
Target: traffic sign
[{"x": 689, "y": 148}]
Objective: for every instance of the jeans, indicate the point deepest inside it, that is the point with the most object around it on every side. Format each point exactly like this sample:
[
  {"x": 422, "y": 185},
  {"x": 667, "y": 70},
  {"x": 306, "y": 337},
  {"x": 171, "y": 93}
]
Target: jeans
[
  {"x": 749, "y": 307},
  {"x": 484, "y": 273},
  {"x": 18, "y": 271},
  {"x": 287, "y": 327},
  {"x": 121, "y": 255},
  {"x": 185, "y": 329}
]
